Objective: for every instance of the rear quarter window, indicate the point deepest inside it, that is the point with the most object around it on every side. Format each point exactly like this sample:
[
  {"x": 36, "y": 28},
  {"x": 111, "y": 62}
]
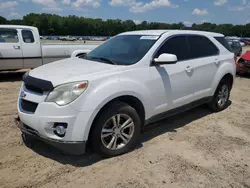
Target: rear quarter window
[{"x": 224, "y": 42}]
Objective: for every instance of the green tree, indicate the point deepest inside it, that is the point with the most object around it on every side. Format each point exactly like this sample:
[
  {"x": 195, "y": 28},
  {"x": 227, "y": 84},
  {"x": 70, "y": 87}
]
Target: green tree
[
  {"x": 52, "y": 24},
  {"x": 3, "y": 20}
]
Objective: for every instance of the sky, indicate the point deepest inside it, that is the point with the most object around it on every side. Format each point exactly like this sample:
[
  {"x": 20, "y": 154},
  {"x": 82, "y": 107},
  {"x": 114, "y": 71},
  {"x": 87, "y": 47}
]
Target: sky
[{"x": 168, "y": 11}]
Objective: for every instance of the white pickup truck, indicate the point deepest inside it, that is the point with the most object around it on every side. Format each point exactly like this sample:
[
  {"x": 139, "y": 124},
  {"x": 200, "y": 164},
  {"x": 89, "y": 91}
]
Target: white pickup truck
[
  {"x": 20, "y": 47},
  {"x": 107, "y": 96}
]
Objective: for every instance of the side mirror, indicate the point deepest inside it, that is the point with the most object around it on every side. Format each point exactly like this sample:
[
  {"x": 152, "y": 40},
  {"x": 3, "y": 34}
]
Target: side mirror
[
  {"x": 166, "y": 59},
  {"x": 76, "y": 53}
]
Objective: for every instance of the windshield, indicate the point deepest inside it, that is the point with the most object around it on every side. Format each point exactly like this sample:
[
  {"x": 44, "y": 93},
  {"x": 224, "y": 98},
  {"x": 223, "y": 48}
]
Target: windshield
[{"x": 123, "y": 49}]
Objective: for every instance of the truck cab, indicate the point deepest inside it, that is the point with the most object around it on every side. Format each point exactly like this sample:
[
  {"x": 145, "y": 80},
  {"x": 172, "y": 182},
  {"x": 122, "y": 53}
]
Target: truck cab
[{"x": 19, "y": 47}]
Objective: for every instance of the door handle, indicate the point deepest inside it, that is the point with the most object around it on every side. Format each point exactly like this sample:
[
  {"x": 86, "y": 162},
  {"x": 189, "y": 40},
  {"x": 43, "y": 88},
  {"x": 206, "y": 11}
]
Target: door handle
[
  {"x": 189, "y": 69},
  {"x": 17, "y": 47}
]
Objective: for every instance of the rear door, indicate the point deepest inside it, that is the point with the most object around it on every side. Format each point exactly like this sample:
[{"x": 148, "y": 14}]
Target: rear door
[
  {"x": 10, "y": 49},
  {"x": 31, "y": 49},
  {"x": 204, "y": 63}
]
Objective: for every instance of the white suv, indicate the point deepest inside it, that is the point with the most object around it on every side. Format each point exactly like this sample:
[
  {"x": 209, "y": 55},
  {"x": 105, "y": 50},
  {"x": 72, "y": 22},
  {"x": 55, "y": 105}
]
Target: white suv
[{"x": 105, "y": 97}]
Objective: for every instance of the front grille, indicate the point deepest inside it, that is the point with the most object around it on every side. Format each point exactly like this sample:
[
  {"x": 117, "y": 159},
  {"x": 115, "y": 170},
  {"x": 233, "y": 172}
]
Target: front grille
[
  {"x": 28, "y": 106},
  {"x": 33, "y": 88}
]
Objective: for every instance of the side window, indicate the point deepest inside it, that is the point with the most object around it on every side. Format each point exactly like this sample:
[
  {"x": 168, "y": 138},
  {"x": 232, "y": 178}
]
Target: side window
[
  {"x": 224, "y": 42},
  {"x": 8, "y": 36},
  {"x": 177, "y": 46},
  {"x": 201, "y": 47},
  {"x": 27, "y": 36}
]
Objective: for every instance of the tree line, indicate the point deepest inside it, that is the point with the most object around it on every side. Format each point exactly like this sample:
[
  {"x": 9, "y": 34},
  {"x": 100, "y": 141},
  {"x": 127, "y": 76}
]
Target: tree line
[{"x": 51, "y": 24}]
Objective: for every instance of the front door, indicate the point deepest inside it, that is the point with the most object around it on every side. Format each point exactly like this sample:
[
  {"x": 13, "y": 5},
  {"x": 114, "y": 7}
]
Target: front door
[
  {"x": 31, "y": 49},
  {"x": 174, "y": 79},
  {"x": 10, "y": 50}
]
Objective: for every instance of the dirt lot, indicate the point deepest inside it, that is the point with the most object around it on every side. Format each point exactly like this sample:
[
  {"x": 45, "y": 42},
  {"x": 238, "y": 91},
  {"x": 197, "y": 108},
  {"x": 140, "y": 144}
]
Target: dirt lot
[{"x": 193, "y": 149}]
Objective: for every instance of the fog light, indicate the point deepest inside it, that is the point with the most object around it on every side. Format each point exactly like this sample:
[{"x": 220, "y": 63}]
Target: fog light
[{"x": 60, "y": 129}]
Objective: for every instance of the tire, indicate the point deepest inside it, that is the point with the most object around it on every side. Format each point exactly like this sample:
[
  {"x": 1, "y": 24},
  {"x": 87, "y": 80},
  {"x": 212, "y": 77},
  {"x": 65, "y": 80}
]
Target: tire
[
  {"x": 101, "y": 143},
  {"x": 215, "y": 105}
]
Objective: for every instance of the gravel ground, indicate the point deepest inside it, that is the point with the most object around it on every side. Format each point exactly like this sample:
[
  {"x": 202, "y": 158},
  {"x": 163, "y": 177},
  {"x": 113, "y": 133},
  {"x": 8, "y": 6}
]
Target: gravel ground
[{"x": 193, "y": 149}]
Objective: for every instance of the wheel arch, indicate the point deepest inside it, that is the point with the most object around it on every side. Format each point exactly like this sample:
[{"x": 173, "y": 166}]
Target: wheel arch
[
  {"x": 128, "y": 99},
  {"x": 226, "y": 71},
  {"x": 229, "y": 77}
]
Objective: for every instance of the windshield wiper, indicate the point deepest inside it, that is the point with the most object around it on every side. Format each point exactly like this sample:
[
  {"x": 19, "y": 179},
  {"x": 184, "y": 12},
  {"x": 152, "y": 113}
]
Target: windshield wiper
[
  {"x": 108, "y": 60},
  {"x": 104, "y": 59}
]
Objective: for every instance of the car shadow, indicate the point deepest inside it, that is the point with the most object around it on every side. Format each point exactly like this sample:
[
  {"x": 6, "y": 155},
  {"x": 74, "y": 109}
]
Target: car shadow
[
  {"x": 151, "y": 131},
  {"x": 11, "y": 76},
  {"x": 243, "y": 76}
]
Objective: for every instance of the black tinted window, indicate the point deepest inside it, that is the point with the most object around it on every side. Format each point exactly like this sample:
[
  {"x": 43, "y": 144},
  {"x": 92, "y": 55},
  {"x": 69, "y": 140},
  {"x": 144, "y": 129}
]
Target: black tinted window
[
  {"x": 200, "y": 46},
  {"x": 27, "y": 36},
  {"x": 224, "y": 42},
  {"x": 177, "y": 46}
]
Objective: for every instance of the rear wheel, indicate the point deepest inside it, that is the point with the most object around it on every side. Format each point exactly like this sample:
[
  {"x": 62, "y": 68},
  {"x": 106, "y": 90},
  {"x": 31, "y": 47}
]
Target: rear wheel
[
  {"x": 221, "y": 96},
  {"x": 116, "y": 130}
]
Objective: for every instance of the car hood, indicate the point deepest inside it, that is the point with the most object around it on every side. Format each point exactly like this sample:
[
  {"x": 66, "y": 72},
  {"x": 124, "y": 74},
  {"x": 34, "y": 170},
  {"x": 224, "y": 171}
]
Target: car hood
[{"x": 70, "y": 70}]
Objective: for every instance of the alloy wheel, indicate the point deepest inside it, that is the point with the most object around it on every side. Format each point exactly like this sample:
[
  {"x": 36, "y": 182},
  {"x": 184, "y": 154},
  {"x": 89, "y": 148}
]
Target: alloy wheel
[
  {"x": 117, "y": 131},
  {"x": 223, "y": 95}
]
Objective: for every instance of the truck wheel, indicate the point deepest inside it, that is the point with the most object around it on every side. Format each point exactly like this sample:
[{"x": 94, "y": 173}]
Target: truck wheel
[
  {"x": 116, "y": 130},
  {"x": 221, "y": 96}
]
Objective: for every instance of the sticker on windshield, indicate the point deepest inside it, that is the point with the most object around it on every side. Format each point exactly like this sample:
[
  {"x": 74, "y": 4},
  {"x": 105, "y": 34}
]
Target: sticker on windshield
[{"x": 149, "y": 37}]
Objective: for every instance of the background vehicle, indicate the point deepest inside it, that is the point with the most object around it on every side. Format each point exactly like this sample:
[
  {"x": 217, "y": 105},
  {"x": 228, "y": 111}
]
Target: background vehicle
[
  {"x": 243, "y": 64},
  {"x": 242, "y": 44},
  {"x": 245, "y": 41},
  {"x": 135, "y": 78},
  {"x": 20, "y": 47},
  {"x": 236, "y": 47},
  {"x": 68, "y": 38}
]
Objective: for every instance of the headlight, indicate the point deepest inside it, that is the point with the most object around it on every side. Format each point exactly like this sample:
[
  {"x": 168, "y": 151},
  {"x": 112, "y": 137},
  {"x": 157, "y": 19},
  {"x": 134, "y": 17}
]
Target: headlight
[{"x": 66, "y": 93}]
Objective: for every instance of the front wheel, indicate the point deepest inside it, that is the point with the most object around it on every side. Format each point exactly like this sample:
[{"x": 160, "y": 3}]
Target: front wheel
[
  {"x": 116, "y": 130},
  {"x": 221, "y": 96}
]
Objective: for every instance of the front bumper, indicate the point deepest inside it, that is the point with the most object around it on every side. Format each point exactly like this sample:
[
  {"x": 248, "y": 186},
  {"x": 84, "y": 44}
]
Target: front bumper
[{"x": 70, "y": 147}]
